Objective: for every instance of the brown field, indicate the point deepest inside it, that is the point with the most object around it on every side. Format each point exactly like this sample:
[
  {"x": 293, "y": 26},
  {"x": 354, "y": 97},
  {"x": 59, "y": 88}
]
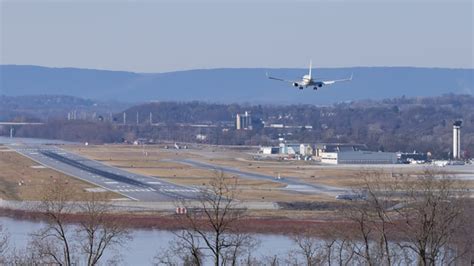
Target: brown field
[
  {"x": 155, "y": 161},
  {"x": 16, "y": 168},
  {"x": 271, "y": 223}
]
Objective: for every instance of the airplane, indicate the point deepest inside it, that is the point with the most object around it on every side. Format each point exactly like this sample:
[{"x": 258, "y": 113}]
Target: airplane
[{"x": 308, "y": 81}]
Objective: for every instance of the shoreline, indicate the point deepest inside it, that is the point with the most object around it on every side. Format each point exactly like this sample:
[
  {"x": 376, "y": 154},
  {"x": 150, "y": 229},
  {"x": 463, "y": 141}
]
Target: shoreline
[{"x": 171, "y": 222}]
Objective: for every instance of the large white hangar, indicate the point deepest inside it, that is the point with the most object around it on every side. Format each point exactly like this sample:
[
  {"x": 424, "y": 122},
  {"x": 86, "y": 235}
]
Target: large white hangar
[{"x": 358, "y": 157}]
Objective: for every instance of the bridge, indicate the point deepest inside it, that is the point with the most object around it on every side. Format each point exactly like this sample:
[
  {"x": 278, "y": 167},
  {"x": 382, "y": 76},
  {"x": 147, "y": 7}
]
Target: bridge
[{"x": 20, "y": 123}]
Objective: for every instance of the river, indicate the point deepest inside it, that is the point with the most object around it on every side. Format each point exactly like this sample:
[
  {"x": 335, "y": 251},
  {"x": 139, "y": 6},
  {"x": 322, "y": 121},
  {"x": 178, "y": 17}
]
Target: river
[{"x": 145, "y": 243}]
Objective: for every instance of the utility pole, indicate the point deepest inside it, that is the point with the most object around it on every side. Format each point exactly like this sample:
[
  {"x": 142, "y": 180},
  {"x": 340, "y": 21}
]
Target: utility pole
[
  {"x": 11, "y": 132},
  {"x": 124, "y": 118},
  {"x": 151, "y": 118},
  {"x": 137, "y": 118}
]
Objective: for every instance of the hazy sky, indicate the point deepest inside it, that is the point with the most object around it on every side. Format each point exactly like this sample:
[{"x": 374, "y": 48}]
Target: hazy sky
[{"x": 159, "y": 36}]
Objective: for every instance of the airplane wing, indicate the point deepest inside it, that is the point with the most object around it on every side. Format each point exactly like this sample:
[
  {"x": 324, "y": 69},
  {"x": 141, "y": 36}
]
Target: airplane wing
[
  {"x": 285, "y": 80},
  {"x": 329, "y": 82}
]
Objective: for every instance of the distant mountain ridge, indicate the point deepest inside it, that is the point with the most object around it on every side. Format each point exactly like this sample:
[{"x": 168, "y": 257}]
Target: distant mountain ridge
[{"x": 239, "y": 85}]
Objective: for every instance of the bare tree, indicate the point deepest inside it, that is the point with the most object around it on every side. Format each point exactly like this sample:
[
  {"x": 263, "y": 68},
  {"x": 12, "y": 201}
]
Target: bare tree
[
  {"x": 432, "y": 212},
  {"x": 362, "y": 221},
  {"x": 185, "y": 249},
  {"x": 362, "y": 215},
  {"x": 344, "y": 252},
  {"x": 420, "y": 215},
  {"x": 23, "y": 257},
  {"x": 272, "y": 260},
  {"x": 4, "y": 241},
  {"x": 241, "y": 245},
  {"x": 61, "y": 242},
  {"x": 53, "y": 243},
  {"x": 308, "y": 247},
  {"x": 214, "y": 220},
  {"x": 98, "y": 232},
  {"x": 331, "y": 247},
  {"x": 372, "y": 215}
]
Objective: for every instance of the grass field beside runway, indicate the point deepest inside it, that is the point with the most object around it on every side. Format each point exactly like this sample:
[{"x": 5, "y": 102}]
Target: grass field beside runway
[
  {"x": 154, "y": 160},
  {"x": 24, "y": 179}
]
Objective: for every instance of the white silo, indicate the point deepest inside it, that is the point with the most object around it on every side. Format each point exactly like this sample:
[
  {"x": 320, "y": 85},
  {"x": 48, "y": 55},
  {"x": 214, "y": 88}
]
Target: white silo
[{"x": 457, "y": 139}]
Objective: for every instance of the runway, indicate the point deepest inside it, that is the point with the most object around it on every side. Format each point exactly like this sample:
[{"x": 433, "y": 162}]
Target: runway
[
  {"x": 134, "y": 186},
  {"x": 292, "y": 184}
]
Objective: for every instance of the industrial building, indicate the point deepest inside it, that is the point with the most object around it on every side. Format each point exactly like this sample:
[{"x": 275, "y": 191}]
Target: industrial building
[
  {"x": 335, "y": 153},
  {"x": 337, "y": 147},
  {"x": 243, "y": 121},
  {"x": 358, "y": 157},
  {"x": 414, "y": 157},
  {"x": 269, "y": 150},
  {"x": 346, "y": 153},
  {"x": 290, "y": 148},
  {"x": 296, "y": 149}
]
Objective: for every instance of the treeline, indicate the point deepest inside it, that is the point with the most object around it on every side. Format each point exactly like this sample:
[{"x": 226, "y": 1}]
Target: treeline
[
  {"x": 399, "y": 124},
  {"x": 74, "y": 130},
  {"x": 36, "y": 108}
]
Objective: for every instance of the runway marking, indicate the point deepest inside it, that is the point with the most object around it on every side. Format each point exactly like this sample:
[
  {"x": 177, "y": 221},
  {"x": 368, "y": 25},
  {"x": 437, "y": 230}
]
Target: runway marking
[
  {"x": 135, "y": 190},
  {"x": 178, "y": 190},
  {"x": 38, "y": 166},
  {"x": 40, "y": 156}
]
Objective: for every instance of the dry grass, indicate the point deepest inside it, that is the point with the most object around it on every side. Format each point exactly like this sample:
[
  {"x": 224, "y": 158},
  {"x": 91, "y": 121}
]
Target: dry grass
[
  {"x": 313, "y": 215},
  {"x": 16, "y": 168},
  {"x": 256, "y": 190},
  {"x": 155, "y": 161}
]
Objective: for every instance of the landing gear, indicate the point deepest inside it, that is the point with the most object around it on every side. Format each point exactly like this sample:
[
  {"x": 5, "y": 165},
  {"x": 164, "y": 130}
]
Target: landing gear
[
  {"x": 315, "y": 88},
  {"x": 300, "y": 88}
]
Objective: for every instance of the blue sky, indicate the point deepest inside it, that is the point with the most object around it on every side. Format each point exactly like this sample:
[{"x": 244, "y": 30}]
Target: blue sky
[{"x": 160, "y": 36}]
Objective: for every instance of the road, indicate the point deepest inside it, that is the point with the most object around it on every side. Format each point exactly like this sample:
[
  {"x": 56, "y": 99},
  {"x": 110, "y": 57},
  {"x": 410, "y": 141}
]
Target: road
[
  {"x": 131, "y": 185},
  {"x": 292, "y": 184}
]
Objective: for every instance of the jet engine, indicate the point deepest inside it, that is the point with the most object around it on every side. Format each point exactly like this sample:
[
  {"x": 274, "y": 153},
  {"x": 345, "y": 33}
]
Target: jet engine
[{"x": 295, "y": 84}]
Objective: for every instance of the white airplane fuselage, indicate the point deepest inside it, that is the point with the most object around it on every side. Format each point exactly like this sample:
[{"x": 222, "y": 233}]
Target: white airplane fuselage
[{"x": 307, "y": 81}]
